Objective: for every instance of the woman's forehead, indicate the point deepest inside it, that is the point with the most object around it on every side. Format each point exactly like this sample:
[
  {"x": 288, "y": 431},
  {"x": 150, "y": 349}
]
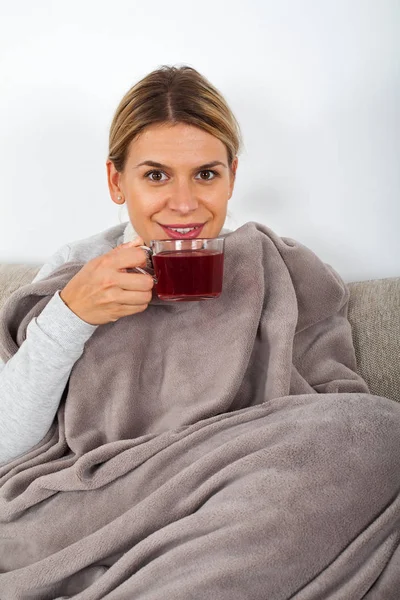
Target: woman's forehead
[{"x": 181, "y": 142}]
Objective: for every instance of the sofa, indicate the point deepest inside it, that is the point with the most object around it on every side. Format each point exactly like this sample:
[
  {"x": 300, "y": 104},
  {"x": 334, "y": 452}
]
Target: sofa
[{"x": 374, "y": 315}]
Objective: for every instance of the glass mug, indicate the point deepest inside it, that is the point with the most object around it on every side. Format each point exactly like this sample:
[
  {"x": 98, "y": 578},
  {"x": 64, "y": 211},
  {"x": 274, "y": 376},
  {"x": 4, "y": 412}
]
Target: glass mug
[{"x": 185, "y": 270}]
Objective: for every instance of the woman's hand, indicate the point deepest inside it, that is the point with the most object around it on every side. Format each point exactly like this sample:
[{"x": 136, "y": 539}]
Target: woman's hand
[{"x": 102, "y": 292}]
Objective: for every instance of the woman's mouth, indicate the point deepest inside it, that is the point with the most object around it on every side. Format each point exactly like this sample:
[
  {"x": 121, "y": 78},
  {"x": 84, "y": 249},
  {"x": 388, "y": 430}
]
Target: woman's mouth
[{"x": 177, "y": 232}]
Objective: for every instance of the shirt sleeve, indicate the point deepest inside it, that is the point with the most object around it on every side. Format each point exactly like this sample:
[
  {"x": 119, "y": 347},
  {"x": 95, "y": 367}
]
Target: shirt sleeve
[
  {"x": 32, "y": 382},
  {"x": 60, "y": 257}
]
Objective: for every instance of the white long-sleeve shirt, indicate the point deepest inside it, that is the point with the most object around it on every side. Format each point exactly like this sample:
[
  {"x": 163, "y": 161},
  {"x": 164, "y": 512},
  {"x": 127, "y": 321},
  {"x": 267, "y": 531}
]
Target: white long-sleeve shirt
[{"x": 33, "y": 380}]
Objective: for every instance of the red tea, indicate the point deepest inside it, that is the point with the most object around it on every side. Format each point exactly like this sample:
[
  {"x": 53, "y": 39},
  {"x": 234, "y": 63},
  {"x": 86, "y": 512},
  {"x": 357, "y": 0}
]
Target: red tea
[{"x": 193, "y": 275}]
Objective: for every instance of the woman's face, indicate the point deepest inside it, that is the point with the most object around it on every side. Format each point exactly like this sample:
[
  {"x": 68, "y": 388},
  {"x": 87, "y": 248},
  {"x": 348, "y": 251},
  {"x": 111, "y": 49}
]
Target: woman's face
[{"x": 175, "y": 176}]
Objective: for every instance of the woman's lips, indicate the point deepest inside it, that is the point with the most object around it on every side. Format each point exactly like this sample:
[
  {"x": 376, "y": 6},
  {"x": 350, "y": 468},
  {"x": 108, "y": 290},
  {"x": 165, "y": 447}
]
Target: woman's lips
[{"x": 183, "y": 236}]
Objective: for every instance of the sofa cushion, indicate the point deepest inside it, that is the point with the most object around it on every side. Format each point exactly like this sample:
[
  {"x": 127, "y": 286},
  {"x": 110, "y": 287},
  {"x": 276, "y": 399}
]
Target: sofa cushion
[
  {"x": 374, "y": 314},
  {"x": 14, "y": 276}
]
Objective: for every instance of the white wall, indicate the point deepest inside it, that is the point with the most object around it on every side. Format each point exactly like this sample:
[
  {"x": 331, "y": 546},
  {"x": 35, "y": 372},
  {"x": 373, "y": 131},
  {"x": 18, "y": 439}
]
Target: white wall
[{"x": 314, "y": 84}]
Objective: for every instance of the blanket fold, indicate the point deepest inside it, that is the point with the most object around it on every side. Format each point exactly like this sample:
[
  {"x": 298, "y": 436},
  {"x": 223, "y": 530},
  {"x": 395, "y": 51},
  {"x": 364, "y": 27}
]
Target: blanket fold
[{"x": 216, "y": 449}]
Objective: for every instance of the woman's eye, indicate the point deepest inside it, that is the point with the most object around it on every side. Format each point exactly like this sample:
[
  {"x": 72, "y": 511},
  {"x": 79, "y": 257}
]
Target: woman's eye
[
  {"x": 157, "y": 175},
  {"x": 207, "y": 174}
]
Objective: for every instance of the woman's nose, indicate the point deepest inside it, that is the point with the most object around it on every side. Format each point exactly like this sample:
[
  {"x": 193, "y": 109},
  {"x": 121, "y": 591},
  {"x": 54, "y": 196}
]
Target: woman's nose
[{"x": 183, "y": 198}]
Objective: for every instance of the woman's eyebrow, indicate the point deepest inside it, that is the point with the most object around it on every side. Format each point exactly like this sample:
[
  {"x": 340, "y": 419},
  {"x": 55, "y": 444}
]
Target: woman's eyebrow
[{"x": 152, "y": 163}]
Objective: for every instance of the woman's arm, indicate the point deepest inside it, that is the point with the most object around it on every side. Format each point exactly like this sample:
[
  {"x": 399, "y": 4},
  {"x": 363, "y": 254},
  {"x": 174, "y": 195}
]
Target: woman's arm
[{"x": 33, "y": 380}]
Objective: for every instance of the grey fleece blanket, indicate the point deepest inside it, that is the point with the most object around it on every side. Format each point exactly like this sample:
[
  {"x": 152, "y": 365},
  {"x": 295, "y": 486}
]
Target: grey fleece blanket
[{"x": 220, "y": 450}]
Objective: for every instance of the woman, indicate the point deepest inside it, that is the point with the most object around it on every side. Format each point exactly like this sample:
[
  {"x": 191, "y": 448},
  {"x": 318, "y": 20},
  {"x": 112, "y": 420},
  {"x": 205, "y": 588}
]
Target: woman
[{"x": 221, "y": 449}]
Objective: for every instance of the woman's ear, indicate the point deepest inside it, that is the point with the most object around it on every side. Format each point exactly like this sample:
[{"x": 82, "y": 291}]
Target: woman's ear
[
  {"x": 234, "y": 167},
  {"x": 235, "y": 163},
  {"x": 114, "y": 182}
]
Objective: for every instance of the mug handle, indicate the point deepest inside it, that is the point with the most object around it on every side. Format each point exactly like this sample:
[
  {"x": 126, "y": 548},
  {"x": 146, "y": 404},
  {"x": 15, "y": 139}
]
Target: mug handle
[{"x": 140, "y": 270}]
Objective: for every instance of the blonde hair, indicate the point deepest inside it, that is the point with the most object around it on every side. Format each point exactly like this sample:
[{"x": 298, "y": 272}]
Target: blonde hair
[{"x": 172, "y": 95}]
